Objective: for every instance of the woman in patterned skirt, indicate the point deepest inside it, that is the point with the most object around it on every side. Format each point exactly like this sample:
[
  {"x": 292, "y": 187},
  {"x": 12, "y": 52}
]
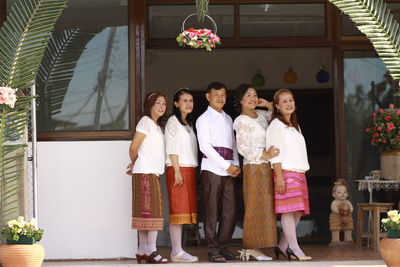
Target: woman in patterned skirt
[
  {"x": 291, "y": 193},
  {"x": 259, "y": 228},
  {"x": 147, "y": 164},
  {"x": 181, "y": 148}
]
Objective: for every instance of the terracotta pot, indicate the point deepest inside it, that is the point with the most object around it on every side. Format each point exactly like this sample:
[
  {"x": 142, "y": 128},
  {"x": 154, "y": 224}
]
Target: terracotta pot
[
  {"x": 390, "y": 251},
  {"x": 21, "y": 255},
  {"x": 390, "y": 164}
]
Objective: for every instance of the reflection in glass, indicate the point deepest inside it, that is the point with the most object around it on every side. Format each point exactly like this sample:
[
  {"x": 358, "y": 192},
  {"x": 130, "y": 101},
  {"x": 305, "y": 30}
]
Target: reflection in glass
[
  {"x": 83, "y": 80},
  {"x": 166, "y": 21},
  {"x": 282, "y": 20},
  {"x": 349, "y": 28},
  {"x": 367, "y": 87}
]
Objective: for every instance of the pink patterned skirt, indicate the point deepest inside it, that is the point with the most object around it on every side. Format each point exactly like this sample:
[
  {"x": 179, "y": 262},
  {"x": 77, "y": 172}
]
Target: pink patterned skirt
[{"x": 295, "y": 197}]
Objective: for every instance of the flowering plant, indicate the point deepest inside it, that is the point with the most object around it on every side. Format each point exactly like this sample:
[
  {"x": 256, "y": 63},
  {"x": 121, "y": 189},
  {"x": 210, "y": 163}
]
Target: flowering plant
[
  {"x": 7, "y": 96},
  {"x": 392, "y": 223},
  {"x": 198, "y": 38},
  {"x": 18, "y": 228},
  {"x": 385, "y": 130}
]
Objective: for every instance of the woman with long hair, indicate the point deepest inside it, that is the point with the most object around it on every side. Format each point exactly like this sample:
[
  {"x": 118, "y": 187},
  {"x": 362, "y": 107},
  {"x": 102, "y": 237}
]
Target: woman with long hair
[
  {"x": 181, "y": 161},
  {"x": 259, "y": 227},
  {"x": 147, "y": 164},
  {"x": 289, "y": 168}
]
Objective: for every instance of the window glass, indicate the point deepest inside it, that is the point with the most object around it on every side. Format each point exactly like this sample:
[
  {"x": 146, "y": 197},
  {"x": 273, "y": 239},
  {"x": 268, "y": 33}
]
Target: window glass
[
  {"x": 82, "y": 84},
  {"x": 349, "y": 28},
  {"x": 166, "y": 21},
  {"x": 282, "y": 20},
  {"x": 367, "y": 87}
]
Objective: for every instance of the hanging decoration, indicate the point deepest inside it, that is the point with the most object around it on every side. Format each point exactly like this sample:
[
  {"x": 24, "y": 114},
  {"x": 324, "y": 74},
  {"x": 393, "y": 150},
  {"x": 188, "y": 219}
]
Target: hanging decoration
[
  {"x": 290, "y": 76},
  {"x": 322, "y": 75},
  {"x": 199, "y": 38},
  {"x": 202, "y": 9},
  {"x": 258, "y": 79}
]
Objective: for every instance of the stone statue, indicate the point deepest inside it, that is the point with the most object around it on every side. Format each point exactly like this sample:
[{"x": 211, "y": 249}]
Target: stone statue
[{"x": 341, "y": 218}]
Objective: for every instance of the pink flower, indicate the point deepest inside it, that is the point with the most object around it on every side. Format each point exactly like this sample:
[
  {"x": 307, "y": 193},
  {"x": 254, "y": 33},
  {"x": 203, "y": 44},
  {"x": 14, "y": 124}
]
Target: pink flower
[
  {"x": 191, "y": 35},
  {"x": 388, "y": 118},
  {"x": 199, "y": 42},
  {"x": 390, "y": 127},
  {"x": 391, "y": 105},
  {"x": 379, "y": 128},
  {"x": 381, "y": 110},
  {"x": 184, "y": 41}
]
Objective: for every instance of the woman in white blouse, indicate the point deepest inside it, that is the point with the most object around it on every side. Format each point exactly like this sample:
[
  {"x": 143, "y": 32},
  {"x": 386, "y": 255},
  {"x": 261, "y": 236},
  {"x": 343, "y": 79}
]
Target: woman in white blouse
[
  {"x": 259, "y": 228},
  {"x": 289, "y": 167},
  {"x": 181, "y": 160},
  {"x": 147, "y": 164}
]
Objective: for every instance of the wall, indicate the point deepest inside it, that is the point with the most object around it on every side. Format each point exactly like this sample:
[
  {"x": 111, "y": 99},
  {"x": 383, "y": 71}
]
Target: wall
[
  {"x": 84, "y": 200},
  {"x": 170, "y": 69}
]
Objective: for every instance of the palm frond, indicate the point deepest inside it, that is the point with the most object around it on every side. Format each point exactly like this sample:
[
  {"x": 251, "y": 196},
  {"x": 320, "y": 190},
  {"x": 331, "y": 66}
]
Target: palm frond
[
  {"x": 23, "y": 38},
  {"x": 374, "y": 19}
]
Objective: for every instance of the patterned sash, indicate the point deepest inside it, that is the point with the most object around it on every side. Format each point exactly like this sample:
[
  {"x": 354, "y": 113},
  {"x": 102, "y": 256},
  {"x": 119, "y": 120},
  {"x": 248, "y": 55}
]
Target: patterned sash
[{"x": 226, "y": 153}]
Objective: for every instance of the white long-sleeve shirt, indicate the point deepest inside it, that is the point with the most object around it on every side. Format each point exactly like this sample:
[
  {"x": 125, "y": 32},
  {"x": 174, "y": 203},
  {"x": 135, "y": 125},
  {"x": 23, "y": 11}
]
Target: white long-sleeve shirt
[
  {"x": 292, "y": 146},
  {"x": 214, "y": 129},
  {"x": 250, "y": 136}
]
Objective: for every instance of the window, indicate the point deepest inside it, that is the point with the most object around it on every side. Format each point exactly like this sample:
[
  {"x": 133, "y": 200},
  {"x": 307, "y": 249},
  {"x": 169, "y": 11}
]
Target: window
[
  {"x": 282, "y": 20},
  {"x": 83, "y": 82},
  {"x": 165, "y": 21}
]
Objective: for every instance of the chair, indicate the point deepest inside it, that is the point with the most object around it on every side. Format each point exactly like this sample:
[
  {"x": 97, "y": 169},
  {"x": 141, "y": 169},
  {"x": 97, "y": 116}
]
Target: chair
[
  {"x": 374, "y": 225},
  {"x": 191, "y": 234}
]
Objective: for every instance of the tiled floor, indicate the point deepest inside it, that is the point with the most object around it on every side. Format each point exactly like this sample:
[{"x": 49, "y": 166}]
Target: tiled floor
[{"x": 322, "y": 256}]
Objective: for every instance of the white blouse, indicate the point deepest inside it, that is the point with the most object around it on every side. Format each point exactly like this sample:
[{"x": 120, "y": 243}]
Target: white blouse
[
  {"x": 293, "y": 151},
  {"x": 250, "y": 136},
  {"x": 151, "y": 156},
  {"x": 180, "y": 140}
]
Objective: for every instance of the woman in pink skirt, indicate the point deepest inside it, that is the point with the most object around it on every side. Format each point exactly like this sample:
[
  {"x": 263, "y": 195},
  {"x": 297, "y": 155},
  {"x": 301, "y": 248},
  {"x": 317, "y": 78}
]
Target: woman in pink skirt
[{"x": 289, "y": 167}]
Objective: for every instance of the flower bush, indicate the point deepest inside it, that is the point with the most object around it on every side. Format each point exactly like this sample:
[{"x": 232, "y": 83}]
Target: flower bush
[
  {"x": 198, "y": 38},
  {"x": 392, "y": 222},
  {"x": 385, "y": 130},
  {"x": 7, "y": 96},
  {"x": 15, "y": 229}
]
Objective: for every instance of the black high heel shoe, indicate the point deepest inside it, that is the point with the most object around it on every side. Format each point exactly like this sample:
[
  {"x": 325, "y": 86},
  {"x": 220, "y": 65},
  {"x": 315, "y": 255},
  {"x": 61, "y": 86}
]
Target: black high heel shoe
[
  {"x": 290, "y": 254},
  {"x": 279, "y": 251}
]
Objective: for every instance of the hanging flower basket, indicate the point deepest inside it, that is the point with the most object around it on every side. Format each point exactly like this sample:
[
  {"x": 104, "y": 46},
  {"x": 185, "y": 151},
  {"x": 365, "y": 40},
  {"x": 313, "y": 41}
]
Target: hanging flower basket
[{"x": 199, "y": 38}]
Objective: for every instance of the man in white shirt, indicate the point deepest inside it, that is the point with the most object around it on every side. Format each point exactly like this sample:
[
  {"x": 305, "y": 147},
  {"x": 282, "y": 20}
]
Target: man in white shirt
[{"x": 219, "y": 167}]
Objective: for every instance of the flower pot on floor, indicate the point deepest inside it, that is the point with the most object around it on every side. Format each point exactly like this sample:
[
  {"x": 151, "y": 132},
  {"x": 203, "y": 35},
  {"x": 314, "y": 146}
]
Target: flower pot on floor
[{"x": 21, "y": 255}]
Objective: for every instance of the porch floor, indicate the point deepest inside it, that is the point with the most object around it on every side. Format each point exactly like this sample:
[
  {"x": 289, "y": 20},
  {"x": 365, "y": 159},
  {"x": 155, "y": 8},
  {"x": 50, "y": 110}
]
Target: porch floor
[{"x": 322, "y": 256}]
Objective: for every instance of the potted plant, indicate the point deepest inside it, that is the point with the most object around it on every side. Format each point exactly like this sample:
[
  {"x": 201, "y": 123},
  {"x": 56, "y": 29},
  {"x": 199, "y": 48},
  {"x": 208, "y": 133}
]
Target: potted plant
[
  {"x": 385, "y": 133},
  {"x": 21, "y": 249},
  {"x": 390, "y": 246}
]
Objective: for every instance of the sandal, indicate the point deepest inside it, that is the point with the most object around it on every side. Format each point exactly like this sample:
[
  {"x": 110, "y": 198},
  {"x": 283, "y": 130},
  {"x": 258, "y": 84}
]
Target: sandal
[
  {"x": 179, "y": 258},
  {"x": 216, "y": 258},
  {"x": 231, "y": 257},
  {"x": 153, "y": 256}
]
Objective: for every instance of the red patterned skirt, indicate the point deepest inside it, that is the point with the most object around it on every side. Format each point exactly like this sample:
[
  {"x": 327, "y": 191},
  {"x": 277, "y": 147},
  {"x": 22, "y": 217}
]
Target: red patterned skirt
[
  {"x": 182, "y": 198},
  {"x": 259, "y": 227},
  {"x": 295, "y": 197},
  {"x": 147, "y": 202}
]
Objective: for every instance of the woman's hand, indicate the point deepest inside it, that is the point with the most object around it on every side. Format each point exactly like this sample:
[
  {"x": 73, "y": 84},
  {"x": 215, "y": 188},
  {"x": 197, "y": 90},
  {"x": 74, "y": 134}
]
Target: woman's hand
[
  {"x": 178, "y": 179},
  {"x": 129, "y": 169},
  {"x": 272, "y": 152},
  {"x": 280, "y": 185},
  {"x": 264, "y": 103}
]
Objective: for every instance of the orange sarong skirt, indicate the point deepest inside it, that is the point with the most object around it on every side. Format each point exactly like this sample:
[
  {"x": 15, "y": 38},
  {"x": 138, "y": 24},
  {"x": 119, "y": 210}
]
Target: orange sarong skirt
[{"x": 182, "y": 198}]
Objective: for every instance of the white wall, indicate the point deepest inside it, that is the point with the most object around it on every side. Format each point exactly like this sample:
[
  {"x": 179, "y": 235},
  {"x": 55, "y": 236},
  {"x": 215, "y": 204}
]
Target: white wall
[{"x": 84, "y": 200}]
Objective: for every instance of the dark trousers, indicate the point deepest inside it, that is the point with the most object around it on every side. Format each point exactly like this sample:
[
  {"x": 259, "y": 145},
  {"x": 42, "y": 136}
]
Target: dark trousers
[{"x": 219, "y": 202}]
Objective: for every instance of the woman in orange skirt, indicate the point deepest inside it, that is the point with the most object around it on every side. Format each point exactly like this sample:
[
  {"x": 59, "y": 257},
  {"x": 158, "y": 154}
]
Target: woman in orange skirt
[{"x": 181, "y": 150}]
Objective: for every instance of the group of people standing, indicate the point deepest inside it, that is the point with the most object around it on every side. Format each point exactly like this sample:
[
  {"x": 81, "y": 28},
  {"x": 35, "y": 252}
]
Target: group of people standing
[{"x": 265, "y": 139}]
